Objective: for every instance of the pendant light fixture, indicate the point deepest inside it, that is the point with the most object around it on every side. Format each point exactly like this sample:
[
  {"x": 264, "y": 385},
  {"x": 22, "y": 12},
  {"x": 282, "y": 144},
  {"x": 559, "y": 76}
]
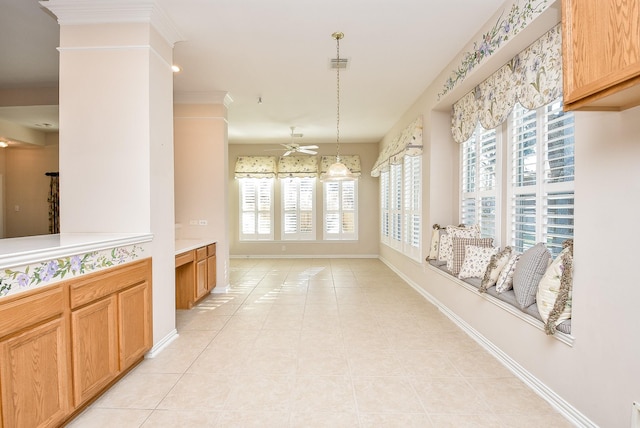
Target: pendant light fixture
[{"x": 337, "y": 171}]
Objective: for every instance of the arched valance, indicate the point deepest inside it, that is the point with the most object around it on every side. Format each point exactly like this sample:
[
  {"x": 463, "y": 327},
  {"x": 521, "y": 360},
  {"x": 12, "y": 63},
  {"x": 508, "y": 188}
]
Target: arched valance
[
  {"x": 408, "y": 143},
  {"x": 255, "y": 167},
  {"x": 297, "y": 166},
  {"x": 352, "y": 162},
  {"x": 533, "y": 78}
]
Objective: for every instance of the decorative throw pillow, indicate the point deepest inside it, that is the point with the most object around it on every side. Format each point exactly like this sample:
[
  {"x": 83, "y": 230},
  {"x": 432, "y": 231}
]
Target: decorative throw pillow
[
  {"x": 505, "y": 279},
  {"x": 445, "y": 253},
  {"x": 476, "y": 260},
  {"x": 435, "y": 243},
  {"x": 554, "y": 290},
  {"x": 496, "y": 264},
  {"x": 531, "y": 267},
  {"x": 458, "y": 248}
]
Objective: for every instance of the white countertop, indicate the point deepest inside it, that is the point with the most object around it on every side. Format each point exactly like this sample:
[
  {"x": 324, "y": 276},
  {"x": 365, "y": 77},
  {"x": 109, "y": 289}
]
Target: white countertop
[
  {"x": 184, "y": 245},
  {"x": 33, "y": 249}
]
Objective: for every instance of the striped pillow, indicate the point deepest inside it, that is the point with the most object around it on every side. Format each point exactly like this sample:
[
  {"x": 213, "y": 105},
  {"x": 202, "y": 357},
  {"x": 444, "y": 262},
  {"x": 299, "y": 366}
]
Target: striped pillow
[{"x": 531, "y": 267}]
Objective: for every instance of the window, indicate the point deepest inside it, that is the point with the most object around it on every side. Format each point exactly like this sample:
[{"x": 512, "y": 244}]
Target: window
[
  {"x": 298, "y": 208},
  {"x": 401, "y": 206},
  {"x": 384, "y": 207},
  {"x": 412, "y": 206},
  {"x": 539, "y": 179},
  {"x": 341, "y": 210},
  {"x": 542, "y": 177},
  {"x": 395, "y": 205},
  {"x": 256, "y": 209},
  {"x": 480, "y": 177}
]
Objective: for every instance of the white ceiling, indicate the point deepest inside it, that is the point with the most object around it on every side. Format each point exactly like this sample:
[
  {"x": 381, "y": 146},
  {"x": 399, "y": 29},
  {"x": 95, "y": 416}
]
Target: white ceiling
[{"x": 278, "y": 50}]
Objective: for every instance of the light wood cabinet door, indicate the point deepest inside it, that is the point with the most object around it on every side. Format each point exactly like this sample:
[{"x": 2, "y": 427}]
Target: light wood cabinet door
[
  {"x": 601, "y": 53},
  {"x": 201, "y": 278},
  {"x": 35, "y": 379},
  {"x": 95, "y": 347},
  {"x": 134, "y": 309},
  {"x": 211, "y": 273}
]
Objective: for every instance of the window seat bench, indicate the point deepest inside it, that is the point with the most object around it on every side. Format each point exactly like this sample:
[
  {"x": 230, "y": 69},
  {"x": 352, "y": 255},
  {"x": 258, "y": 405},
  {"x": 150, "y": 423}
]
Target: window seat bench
[{"x": 508, "y": 297}]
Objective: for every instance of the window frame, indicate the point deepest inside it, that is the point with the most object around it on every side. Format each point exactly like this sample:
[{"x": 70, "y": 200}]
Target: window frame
[
  {"x": 473, "y": 193},
  {"x": 401, "y": 207},
  {"x": 298, "y": 235},
  {"x": 257, "y": 236},
  {"x": 341, "y": 235},
  {"x": 543, "y": 190}
]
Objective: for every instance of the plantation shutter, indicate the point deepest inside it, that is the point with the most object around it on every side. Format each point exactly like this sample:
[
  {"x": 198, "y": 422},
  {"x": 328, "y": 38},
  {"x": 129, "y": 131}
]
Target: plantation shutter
[
  {"x": 298, "y": 208},
  {"x": 256, "y": 209}
]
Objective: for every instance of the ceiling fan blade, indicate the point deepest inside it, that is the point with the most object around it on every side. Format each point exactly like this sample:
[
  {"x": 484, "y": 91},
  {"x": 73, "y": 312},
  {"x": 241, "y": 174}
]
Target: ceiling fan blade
[
  {"x": 309, "y": 152},
  {"x": 287, "y": 153},
  {"x": 310, "y": 147}
]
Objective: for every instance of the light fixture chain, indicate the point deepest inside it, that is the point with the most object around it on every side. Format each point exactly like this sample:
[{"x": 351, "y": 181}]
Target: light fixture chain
[{"x": 338, "y": 99}]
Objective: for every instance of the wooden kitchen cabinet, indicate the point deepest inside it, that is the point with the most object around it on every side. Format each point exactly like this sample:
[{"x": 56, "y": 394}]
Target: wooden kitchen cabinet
[
  {"x": 195, "y": 275},
  {"x": 211, "y": 267},
  {"x": 601, "y": 54},
  {"x": 201, "y": 273},
  {"x": 35, "y": 374},
  {"x": 111, "y": 325},
  {"x": 95, "y": 348},
  {"x": 134, "y": 323},
  {"x": 62, "y": 345}
]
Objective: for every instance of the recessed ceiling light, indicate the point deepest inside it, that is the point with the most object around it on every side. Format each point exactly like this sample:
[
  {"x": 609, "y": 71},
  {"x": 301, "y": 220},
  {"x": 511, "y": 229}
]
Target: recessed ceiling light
[
  {"x": 176, "y": 69},
  {"x": 3, "y": 144}
]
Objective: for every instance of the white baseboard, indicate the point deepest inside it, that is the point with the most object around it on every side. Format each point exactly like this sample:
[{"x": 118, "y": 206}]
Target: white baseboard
[
  {"x": 218, "y": 289},
  {"x": 162, "y": 343},
  {"x": 563, "y": 407}
]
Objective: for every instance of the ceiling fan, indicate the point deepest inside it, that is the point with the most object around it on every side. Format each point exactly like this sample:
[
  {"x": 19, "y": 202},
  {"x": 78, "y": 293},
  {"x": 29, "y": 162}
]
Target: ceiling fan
[{"x": 294, "y": 147}]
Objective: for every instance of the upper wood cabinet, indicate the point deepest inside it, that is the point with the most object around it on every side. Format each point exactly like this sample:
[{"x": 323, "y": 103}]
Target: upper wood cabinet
[{"x": 601, "y": 54}]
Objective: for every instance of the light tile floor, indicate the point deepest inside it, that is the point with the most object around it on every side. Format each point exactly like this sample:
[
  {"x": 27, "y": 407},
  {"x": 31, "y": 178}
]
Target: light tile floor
[{"x": 319, "y": 343}]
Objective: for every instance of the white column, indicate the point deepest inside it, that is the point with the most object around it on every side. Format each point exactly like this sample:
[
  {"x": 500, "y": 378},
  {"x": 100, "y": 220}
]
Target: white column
[
  {"x": 116, "y": 130},
  {"x": 202, "y": 173}
]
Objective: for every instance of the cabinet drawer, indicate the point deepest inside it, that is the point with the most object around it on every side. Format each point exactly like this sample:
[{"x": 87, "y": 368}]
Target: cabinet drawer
[
  {"x": 211, "y": 250},
  {"x": 29, "y": 308},
  {"x": 184, "y": 258},
  {"x": 94, "y": 286},
  {"x": 201, "y": 253}
]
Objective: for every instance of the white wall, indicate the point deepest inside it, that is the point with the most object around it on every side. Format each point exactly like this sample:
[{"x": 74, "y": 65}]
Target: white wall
[{"x": 597, "y": 376}]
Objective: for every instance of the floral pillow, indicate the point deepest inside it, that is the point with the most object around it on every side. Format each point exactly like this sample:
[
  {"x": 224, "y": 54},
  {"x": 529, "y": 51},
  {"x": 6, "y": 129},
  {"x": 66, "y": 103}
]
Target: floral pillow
[
  {"x": 459, "y": 247},
  {"x": 476, "y": 260},
  {"x": 445, "y": 252},
  {"x": 505, "y": 279},
  {"x": 435, "y": 243},
  {"x": 496, "y": 264},
  {"x": 554, "y": 290}
]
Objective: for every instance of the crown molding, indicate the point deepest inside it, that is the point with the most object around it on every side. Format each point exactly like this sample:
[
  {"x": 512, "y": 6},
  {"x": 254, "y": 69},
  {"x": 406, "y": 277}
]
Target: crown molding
[
  {"x": 74, "y": 12},
  {"x": 211, "y": 97}
]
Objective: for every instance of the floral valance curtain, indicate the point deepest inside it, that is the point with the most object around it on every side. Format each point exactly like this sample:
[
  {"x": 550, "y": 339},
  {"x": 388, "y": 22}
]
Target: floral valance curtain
[
  {"x": 533, "y": 78},
  {"x": 352, "y": 162},
  {"x": 408, "y": 143},
  {"x": 255, "y": 167},
  {"x": 298, "y": 166}
]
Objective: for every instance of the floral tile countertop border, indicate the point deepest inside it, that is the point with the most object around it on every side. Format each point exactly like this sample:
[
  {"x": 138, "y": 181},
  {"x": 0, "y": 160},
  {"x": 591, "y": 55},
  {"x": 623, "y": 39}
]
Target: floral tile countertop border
[
  {"x": 34, "y": 261},
  {"x": 34, "y": 275}
]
